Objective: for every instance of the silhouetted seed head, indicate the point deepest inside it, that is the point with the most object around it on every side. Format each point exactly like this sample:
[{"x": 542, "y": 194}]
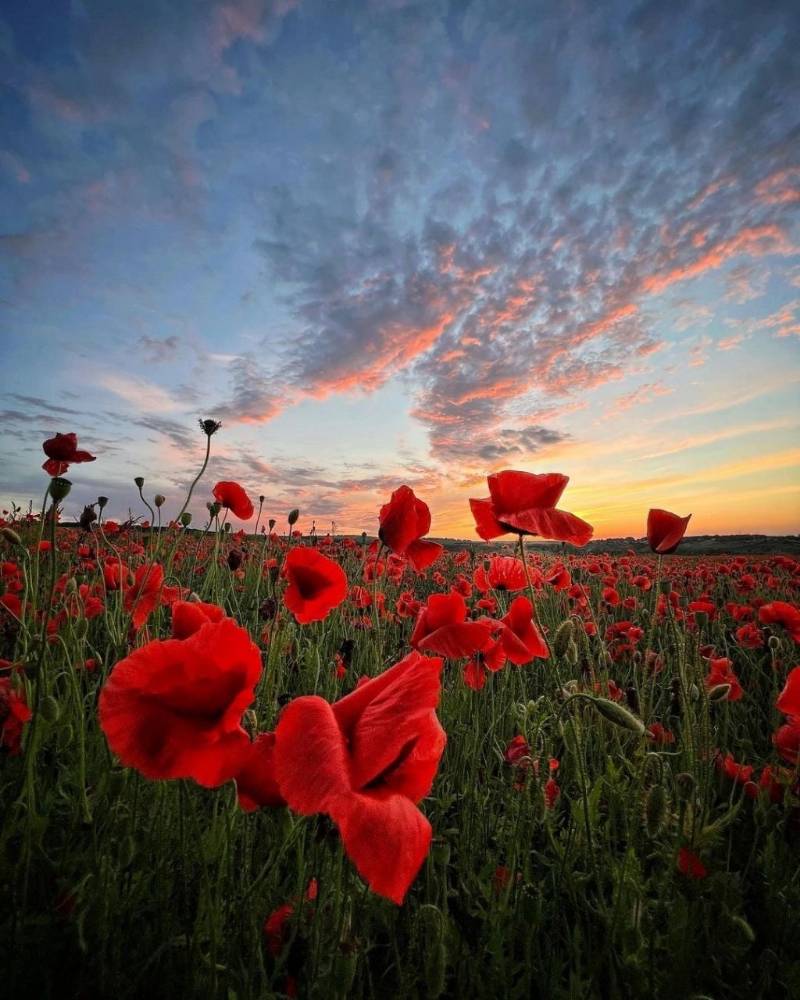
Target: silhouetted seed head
[
  {"x": 101, "y": 502},
  {"x": 139, "y": 480},
  {"x": 159, "y": 499},
  {"x": 293, "y": 516},
  {"x": 186, "y": 518},
  {"x": 210, "y": 427}
]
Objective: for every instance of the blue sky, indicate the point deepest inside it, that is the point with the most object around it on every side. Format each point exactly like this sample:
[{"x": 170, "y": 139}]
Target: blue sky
[{"x": 393, "y": 242}]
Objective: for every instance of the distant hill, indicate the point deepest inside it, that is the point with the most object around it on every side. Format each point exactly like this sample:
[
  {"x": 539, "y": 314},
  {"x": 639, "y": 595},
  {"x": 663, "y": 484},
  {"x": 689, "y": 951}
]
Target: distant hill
[{"x": 692, "y": 545}]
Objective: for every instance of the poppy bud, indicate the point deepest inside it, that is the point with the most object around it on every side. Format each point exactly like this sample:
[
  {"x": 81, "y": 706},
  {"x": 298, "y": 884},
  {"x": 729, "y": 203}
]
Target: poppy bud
[
  {"x": 620, "y": 716},
  {"x": 234, "y": 559},
  {"x": 565, "y": 633},
  {"x": 10, "y": 535},
  {"x": 209, "y": 427},
  {"x": 101, "y": 502},
  {"x": 719, "y": 692},
  {"x": 71, "y": 586},
  {"x": 293, "y": 516},
  {"x": 159, "y": 500},
  {"x": 50, "y": 710},
  {"x": 59, "y": 488},
  {"x": 774, "y": 643},
  {"x": 139, "y": 481},
  {"x": 684, "y": 785},
  {"x": 186, "y": 518},
  {"x": 267, "y": 609},
  {"x": 271, "y": 523},
  {"x": 655, "y": 810},
  {"x": 261, "y": 498},
  {"x": 214, "y": 508},
  {"x": 665, "y": 586},
  {"x": 701, "y": 617},
  {"x": 571, "y": 654}
]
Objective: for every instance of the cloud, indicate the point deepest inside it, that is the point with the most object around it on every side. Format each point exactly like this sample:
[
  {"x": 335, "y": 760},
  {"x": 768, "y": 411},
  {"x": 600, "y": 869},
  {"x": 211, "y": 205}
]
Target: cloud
[{"x": 138, "y": 393}]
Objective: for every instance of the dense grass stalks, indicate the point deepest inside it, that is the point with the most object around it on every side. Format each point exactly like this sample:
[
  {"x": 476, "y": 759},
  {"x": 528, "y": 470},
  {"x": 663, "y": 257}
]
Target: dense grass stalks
[{"x": 560, "y": 873}]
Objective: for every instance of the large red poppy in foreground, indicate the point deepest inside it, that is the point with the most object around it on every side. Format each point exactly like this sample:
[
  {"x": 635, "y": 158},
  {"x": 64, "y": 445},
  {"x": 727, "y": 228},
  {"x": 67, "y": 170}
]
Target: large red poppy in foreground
[
  {"x": 365, "y": 761},
  {"x": 172, "y": 709},
  {"x": 525, "y": 503},
  {"x": 61, "y": 451},
  {"x": 403, "y": 522}
]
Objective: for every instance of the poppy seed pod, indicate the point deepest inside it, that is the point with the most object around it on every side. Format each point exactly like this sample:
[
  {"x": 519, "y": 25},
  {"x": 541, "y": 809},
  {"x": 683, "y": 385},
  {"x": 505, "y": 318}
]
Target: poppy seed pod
[
  {"x": 101, "y": 502},
  {"x": 159, "y": 499},
  {"x": 293, "y": 516},
  {"x": 210, "y": 427},
  {"x": 665, "y": 586},
  {"x": 186, "y": 518},
  {"x": 271, "y": 523},
  {"x": 139, "y": 481},
  {"x": 214, "y": 508},
  {"x": 59, "y": 488},
  {"x": 620, "y": 716}
]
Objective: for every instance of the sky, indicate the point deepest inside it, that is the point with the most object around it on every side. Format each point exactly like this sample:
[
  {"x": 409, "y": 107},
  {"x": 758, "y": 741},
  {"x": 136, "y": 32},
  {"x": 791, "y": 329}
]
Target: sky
[{"x": 390, "y": 242}]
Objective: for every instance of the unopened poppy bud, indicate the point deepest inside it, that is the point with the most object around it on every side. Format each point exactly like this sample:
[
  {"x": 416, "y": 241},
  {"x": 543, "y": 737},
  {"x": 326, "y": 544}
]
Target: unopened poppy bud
[
  {"x": 571, "y": 654},
  {"x": 159, "y": 499},
  {"x": 71, "y": 586},
  {"x": 701, "y": 617},
  {"x": 719, "y": 692},
  {"x": 665, "y": 586},
  {"x": 565, "y": 633},
  {"x": 261, "y": 498},
  {"x": 10, "y": 535},
  {"x": 101, "y": 502},
  {"x": 293, "y": 516},
  {"x": 619, "y": 715},
  {"x": 50, "y": 710},
  {"x": 271, "y": 523},
  {"x": 59, "y": 488},
  {"x": 210, "y": 427},
  {"x": 655, "y": 810},
  {"x": 186, "y": 518},
  {"x": 684, "y": 785},
  {"x": 139, "y": 480},
  {"x": 774, "y": 643},
  {"x": 214, "y": 507},
  {"x": 250, "y": 722}
]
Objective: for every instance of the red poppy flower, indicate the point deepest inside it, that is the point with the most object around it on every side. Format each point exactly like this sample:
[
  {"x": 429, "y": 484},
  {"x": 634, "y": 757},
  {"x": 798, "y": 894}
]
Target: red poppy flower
[
  {"x": 317, "y": 585},
  {"x": 789, "y": 699},
  {"x": 521, "y": 639},
  {"x": 784, "y": 614},
  {"x": 665, "y": 530},
  {"x": 720, "y": 671},
  {"x": 143, "y": 595},
  {"x": 366, "y": 761},
  {"x": 189, "y": 616},
  {"x": 740, "y": 773},
  {"x": 441, "y": 627},
  {"x": 660, "y": 734},
  {"x": 172, "y": 709},
  {"x": 525, "y": 503},
  {"x": 62, "y": 450},
  {"x": 232, "y": 496},
  {"x": 14, "y": 714},
  {"x": 689, "y": 864},
  {"x": 255, "y": 780},
  {"x": 502, "y": 573},
  {"x": 518, "y": 752},
  {"x": 403, "y": 522}
]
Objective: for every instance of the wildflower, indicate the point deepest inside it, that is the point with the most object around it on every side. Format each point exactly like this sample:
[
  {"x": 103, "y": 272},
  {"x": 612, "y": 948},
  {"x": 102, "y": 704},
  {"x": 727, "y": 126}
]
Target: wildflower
[
  {"x": 403, "y": 522},
  {"x": 232, "y": 496},
  {"x": 525, "y": 504},
  {"x": 317, "y": 585},
  {"x": 665, "y": 530}
]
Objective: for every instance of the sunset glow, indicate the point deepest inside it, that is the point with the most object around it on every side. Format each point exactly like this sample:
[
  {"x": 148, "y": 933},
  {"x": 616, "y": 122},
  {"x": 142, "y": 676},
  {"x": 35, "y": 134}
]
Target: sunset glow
[{"x": 392, "y": 243}]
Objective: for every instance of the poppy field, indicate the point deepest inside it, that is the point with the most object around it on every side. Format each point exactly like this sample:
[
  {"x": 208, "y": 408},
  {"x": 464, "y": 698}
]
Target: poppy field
[{"x": 242, "y": 759}]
